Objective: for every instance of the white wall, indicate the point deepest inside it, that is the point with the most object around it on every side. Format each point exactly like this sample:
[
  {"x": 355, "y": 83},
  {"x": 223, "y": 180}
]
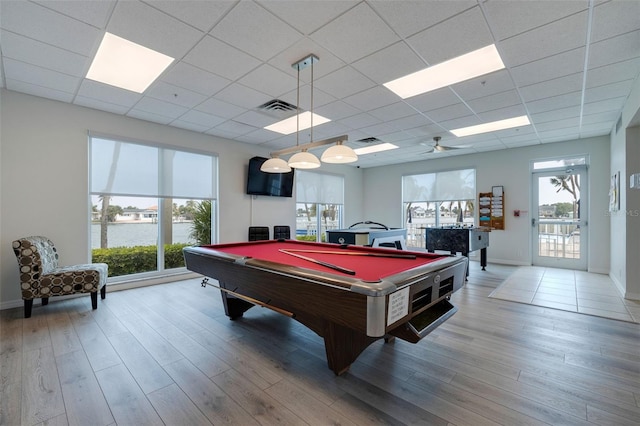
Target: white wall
[
  {"x": 44, "y": 179},
  {"x": 511, "y": 169}
]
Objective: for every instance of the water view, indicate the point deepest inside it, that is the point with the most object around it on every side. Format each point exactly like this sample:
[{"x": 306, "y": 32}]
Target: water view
[{"x": 137, "y": 234}]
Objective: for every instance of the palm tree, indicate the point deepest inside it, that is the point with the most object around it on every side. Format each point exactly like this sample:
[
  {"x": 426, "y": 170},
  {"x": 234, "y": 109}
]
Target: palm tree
[
  {"x": 201, "y": 227},
  {"x": 571, "y": 184}
]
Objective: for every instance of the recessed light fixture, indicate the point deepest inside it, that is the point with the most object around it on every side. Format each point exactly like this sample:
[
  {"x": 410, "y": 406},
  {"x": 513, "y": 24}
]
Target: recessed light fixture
[
  {"x": 470, "y": 65},
  {"x": 375, "y": 148},
  {"x": 127, "y": 65},
  {"x": 508, "y": 123},
  {"x": 289, "y": 125}
]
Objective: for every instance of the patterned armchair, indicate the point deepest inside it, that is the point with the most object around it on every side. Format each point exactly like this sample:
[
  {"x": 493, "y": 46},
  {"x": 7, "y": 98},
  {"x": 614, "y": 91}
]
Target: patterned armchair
[{"x": 41, "y": 277}]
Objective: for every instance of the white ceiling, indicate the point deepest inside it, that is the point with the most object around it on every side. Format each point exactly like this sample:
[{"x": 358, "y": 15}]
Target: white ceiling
[{"x": 570, "y": 66}]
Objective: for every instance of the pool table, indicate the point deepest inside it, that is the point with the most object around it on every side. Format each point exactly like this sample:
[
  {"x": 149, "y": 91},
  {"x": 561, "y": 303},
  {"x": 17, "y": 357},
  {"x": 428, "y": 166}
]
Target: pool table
[{"x": 349, "y": 295}]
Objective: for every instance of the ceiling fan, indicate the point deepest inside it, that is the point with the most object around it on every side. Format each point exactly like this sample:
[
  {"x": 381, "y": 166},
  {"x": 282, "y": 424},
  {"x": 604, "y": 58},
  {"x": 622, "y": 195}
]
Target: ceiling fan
[{"x": 440, "y": 148}]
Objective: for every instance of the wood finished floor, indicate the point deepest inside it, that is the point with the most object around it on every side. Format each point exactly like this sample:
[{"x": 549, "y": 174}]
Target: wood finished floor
[{"x": 167, "y": 355}]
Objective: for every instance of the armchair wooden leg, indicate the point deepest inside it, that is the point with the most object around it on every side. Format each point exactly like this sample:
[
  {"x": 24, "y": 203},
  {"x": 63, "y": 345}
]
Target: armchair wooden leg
[
  {"x": 28, "y": 304},
  {"x": 45, "y": 301},
  {"x": 103, "y": 292},
  {"x": 94, "y": 300}
]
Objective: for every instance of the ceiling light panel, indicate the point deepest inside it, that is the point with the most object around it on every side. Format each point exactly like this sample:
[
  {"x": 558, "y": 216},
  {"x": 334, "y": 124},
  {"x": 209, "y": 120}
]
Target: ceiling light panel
[
  {"x": 375, "y": 148},
  {"x": 290, "y": 125},
  {"x": 465, "y": 67},
  {"x": 127, "y": 65},
  {"x": 493, "y": 126}
]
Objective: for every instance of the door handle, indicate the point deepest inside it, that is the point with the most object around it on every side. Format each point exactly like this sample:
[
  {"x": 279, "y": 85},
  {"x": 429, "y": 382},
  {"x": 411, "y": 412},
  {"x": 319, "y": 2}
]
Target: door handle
[{"x": 533, "y": 222}]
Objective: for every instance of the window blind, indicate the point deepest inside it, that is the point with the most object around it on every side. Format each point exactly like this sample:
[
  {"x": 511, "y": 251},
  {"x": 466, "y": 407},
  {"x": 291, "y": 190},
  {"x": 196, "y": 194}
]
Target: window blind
[
  {"x": 320, "y": 188},
  {"x": 440, "y": 186},
  {"x": 131, "y": 169}
]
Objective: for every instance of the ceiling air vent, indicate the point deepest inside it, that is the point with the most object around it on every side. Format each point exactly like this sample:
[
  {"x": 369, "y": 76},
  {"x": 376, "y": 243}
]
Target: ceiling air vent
[
  {"x": 276, "y": 105},
  {"x": 278, "y": 109},
  {"x": 368, "y": 140}
]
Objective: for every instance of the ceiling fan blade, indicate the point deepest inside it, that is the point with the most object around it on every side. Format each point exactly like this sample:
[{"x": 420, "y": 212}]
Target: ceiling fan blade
[{"x": 441, "y": 148}]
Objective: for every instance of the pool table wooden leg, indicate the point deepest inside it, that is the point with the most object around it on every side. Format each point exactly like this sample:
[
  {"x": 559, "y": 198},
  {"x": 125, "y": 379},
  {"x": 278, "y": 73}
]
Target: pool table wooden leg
[
  {"x": 233, "y": 307},
  {"x": 343, "y": 345}
]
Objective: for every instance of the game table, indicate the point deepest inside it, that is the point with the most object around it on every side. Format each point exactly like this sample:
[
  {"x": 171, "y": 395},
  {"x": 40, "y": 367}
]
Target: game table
[{"x": 349, "y": 295}]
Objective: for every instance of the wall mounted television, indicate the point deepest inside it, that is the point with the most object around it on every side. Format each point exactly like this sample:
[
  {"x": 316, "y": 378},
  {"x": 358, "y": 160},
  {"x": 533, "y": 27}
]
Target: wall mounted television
[{"x": 272, "y": 184}]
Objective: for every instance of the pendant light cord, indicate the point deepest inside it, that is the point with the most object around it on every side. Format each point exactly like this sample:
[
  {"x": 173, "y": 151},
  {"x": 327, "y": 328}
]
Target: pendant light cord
[
  {"x": 311, "y": 100},
  {"x": 298, "y": 110}
]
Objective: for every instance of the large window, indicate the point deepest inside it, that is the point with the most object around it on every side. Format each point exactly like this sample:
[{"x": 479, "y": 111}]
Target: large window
[
  {"x": 319, "y": 204},
  {"x": 437, "y": 199},
  {"x": 147, "y": 203}
]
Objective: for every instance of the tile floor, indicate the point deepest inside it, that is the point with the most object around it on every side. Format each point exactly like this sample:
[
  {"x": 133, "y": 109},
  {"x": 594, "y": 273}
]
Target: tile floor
[{"x": 568, "y": 290}]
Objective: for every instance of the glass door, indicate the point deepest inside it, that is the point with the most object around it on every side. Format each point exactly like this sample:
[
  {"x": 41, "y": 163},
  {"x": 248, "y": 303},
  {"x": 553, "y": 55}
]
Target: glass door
[{"x": 558, "y": 218}]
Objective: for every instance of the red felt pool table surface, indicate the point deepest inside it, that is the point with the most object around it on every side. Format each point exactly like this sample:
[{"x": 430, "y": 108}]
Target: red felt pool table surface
[{"x": 356, "y": 258}]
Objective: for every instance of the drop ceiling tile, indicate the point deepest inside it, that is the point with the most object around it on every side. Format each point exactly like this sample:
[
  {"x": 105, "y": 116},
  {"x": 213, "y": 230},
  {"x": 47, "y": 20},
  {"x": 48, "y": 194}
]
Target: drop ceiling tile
[
  {"x": 255, "y": 118},
  {"x": 390, "y": 63},
  {"x": 201, "y": 119},
  {"x": 252, "y": 29},
  {"x": 201, "y": 14},
  {"x": 149, "y": 116},
  {"x": 423, "y": 130},
  {"x": 344, "y": 82},
  {"x": 364, "y": 30},
  {"x": 393, "y": 111},
  {"x": 307, "y": 16},
  {"x": 433, "y": 100},
  {"x": 43, "y": 55},
  {"x": 27, "y": 73},
  {"x": 142, "y": 24},
  {"x": 596, "y": 129},
  {"x": 519, "y": 144},
  {"x": 219, "y": 108},
  {"x": 551, "y": 39},
  {"x": 608, "y": 91},
  {"x": 320, "y": 98},
  {"x": 557, "y": 86},
  {"x": 509, "y": 18},
  {"x": 503, "y": 113},
  {"x": 615, "y": 49},
  {"x": 233, "y": 127},
  {"x": 242, "y": 96},
  {"x": 371, "y": 99},
  {"x": 489, "y": 84},
  {"x": 619, "y": 71},
  {"x": 377, "y": 129},
  {"x": 190, "y": 126},
  {"x": 95, "y": 13},
  {"x": 337, "y": 110},
  {"x": 109, "y": 94},
  {"x": 269, "y": 80},
  {"x": 219, "y": 58},
  {"x": 160, "y": 107},
  {"x": 554, "y": 102},
  {"x": 175, "y": 95},
  {"x": 614, "y": 18},
  {"x": 410, "y": 17},
  {"x": 555, "y": 114},
  {"x": 191, "y": 78},
  {"x": 100, "y": 105},
  {"x": 449, "y": 112},
  {"x": 557, "y": 136},
  {"x": 36, "y": 90},
  {"x": 607, "y": 105},
  {"x": 436, "y": 45},
  {"x": 601, "y": 117},
  {"x": 359, "y": 121},
  {"x": 496, "y": 101},
  {"x": 47, "y": 26},
  {"x": 558, "y": 124},
  {"x": 470, "y": 120},
  {"x": 548, "y": 69}
]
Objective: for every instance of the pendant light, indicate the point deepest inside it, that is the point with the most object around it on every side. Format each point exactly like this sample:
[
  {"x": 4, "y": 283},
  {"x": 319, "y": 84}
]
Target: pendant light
[{"x": 304, "y": 159}]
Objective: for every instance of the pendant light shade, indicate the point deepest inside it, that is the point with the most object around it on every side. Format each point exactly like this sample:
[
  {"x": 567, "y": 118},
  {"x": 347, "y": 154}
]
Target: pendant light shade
[
  {"x": 275, "y": 165},
  {"x": 339, "y": 154},
  {"x": 304, "y": 160}
]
